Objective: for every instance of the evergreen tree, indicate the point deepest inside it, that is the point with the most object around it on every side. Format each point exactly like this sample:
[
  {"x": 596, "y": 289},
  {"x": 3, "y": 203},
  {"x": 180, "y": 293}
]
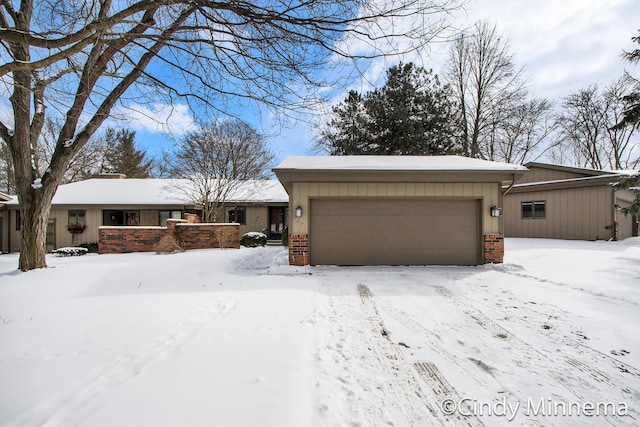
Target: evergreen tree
[
  {"x": 412, "y": 114},
  {"x": 346, "y": 132},
  {"x": 123, "y": 157},
  {"x": 631, "y": 116}
]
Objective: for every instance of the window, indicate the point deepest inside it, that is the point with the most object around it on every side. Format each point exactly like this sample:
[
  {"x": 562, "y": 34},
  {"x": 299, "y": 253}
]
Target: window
[
  {"x": 129, "y": 218},
  {"x": 18, "y": 220},
  {"x": 239, "y": 215},
  {"x": 165, "y": 215},
  {"x": 534, "y": 210},
  {"x": 77, "y": 216}
]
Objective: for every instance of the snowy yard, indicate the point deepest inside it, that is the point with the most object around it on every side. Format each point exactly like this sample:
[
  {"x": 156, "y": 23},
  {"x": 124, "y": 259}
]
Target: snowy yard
[{"x": 237, "y": 337}]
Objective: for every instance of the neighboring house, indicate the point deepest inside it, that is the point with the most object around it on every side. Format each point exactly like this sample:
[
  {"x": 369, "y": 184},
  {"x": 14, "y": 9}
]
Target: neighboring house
[
  {"x": 80, "y": 208},
  {"x": 4, "y": 220},
  {"x": 395, "y": 210},
  {"x": 562, "y": 202}
]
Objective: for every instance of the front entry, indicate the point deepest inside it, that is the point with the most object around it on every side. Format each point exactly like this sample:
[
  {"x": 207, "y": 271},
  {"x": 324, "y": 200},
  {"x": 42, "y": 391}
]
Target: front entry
[{"x": 276, "y": 222}]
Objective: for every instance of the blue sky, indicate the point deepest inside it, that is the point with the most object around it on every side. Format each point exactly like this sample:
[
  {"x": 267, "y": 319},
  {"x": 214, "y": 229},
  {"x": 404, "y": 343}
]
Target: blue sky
[{"x": 563, "y": 45}]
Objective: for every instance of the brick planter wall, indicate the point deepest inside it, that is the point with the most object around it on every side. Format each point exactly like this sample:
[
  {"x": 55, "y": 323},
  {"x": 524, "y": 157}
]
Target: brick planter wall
[
  {"x": 493, "y": 248},
  {"x": 118, "y": 240},
  {"x": 205, "y": 236},
  {"x": 298, "y": 249}
]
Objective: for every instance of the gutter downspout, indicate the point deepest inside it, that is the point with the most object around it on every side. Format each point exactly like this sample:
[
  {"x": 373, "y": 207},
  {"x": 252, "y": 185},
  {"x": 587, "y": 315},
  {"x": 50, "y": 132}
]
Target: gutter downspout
[{"x": 513, "y": 181}]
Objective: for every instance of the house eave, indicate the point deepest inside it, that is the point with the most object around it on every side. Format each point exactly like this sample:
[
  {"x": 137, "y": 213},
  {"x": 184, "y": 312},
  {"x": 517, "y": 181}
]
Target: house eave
[
  {"x": 591, "y": 181},
  {"x": 288, "y": 176}
]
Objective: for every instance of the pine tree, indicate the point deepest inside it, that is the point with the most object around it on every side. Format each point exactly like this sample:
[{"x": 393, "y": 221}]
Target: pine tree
[
  {"x": 412, "y": 114},
  {"x": 632, "y": 112},
  {"x": 122, "y": 155}
]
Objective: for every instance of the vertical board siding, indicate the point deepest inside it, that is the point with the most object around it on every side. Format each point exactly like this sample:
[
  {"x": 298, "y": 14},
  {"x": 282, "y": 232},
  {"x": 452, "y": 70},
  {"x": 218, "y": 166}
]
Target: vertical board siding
[
  {"x": 572, "y": 214},
  {"x": 257, "y": 219},
  {"x": 541, "y": 175},
  {"x": 489, "y": 193}
]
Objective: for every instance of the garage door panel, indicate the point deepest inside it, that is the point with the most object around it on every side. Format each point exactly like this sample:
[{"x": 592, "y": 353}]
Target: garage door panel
[{"x": 394, "y": 231}]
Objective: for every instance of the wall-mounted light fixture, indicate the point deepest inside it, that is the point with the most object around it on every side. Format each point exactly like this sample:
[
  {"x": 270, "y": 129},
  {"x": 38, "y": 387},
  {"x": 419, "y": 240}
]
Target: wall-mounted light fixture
[
  {"x": 496, "y": 211},
  {"x": 298, "y": 212}
]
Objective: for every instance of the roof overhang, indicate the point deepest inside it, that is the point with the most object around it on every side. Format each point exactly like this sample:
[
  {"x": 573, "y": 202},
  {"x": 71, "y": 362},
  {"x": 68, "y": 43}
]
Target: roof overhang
[
  {"x": 372, "y": 169},
  {"x": 561, "y": 184}
]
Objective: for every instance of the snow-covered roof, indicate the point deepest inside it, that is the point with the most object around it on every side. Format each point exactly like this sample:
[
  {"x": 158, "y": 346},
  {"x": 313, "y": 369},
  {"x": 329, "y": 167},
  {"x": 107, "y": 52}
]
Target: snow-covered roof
[
  {"x": 5, "y": 197},
  {"x": 395, "y": 163},
  {"x": 98, "y": 191}
]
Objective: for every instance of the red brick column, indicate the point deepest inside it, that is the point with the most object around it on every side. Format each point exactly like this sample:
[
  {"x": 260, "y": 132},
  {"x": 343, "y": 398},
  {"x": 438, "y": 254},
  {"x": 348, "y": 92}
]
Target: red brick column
[
  {"x": 493, "y": 248},
  {"x": 298, "y": 249}
]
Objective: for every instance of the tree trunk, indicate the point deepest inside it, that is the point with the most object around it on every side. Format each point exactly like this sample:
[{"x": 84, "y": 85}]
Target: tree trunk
[{"x": 35, "y": 207}]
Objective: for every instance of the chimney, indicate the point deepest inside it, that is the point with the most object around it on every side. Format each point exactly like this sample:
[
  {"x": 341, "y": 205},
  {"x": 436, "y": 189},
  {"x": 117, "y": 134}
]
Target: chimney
[{"x": 110, "y": 176}]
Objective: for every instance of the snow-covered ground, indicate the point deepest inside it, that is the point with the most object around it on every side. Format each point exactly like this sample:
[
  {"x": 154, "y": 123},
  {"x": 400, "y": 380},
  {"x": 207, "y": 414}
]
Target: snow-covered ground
[{"x": 237, "y": 337}]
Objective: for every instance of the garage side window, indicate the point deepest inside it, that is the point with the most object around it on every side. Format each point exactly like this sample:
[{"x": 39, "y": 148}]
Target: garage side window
[{"x": 534, "y": 210}]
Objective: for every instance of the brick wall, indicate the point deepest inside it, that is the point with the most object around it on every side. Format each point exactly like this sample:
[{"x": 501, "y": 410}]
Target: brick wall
[
  {"x": 205, "y": 236},
  {"x": 493, "y": 248},
  {"x": 118, "y": 240},
  {"x": 298, "y": 249}
]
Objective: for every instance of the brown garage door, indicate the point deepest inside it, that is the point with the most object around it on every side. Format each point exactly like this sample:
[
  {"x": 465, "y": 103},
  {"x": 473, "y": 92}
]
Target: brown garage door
[{"x": 357, "y": 231}]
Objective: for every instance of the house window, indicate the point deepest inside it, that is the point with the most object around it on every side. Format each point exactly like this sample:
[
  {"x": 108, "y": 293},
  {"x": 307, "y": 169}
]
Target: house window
[
  {"x": 534, "y": 210},
  {"x": 77, "y": 216},
  {"x": 165, "y": 215},
  {"x": 128, "y": 218},
  {"x": 238, "y": 215},
  {"x": 18, "y": 220}
]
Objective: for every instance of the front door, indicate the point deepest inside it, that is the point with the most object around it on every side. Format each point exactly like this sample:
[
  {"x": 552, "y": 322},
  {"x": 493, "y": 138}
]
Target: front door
[{"x": 276, "y": 222}]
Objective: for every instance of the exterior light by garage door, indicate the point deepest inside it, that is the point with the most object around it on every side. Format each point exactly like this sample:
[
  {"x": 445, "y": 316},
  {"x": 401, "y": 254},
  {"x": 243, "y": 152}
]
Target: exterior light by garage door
[
  {"x": 496, "y": 211},
  {"x": 298, "y": 212}
]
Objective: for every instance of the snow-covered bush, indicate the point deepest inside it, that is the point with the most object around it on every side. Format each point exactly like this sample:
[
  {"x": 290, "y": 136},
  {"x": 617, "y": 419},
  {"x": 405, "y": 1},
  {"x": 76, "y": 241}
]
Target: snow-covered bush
[
  {"x": 92, "y": 247},
  {"x": 253, "y": 239},
  {"x": 70, "y": 251}
]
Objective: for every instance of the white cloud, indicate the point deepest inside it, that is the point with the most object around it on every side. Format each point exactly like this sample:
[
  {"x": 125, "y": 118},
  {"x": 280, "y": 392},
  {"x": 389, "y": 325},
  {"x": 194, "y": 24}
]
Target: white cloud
[
  {"x": 158, "y": 118},
  {"x": 564, "y": 45}
]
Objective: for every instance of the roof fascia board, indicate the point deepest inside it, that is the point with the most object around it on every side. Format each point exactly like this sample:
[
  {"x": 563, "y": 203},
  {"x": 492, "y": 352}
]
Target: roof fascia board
[
  {"x": 562, "y": 168},
  {"x": 594, "y": 181}
]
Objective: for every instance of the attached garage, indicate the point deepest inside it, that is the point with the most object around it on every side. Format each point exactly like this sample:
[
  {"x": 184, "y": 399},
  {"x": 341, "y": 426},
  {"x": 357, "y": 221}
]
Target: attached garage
[
  {"x": 392, "y": 210},
  {"x": 394, "y": 231}
]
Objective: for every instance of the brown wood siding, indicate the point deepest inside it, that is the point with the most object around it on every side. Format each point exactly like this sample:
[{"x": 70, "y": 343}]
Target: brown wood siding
[
  {"x": 393, "y": 231},
  {"x": 537, "y": 174},
  {"x": 625, "y": 222},
  {"x": 489, "y": 193},
  {"x": 257, "y": 219},
  {"x": 3, "y": 233},
  {"x": 573, "y": 214}
]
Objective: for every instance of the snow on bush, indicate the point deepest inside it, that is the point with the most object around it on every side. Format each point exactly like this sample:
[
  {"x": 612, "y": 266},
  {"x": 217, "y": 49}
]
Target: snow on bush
[
  {"x": 253, "y": 239},
  {"x": 70, "y": 251}
]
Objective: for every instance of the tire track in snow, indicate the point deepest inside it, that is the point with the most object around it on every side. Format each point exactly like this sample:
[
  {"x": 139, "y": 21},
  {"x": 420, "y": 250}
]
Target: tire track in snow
[
  {"x": 74, "y": 406},
  {"x": 402, "y": 376},
  {"x": 578, "y": 381}
]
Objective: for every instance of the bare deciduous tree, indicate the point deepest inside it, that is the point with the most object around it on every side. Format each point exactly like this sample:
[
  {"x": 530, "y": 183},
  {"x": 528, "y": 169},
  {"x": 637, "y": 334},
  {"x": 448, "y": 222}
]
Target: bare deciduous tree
[
  {"x": 520, "y": 132},
  {"x": 81, "y": 59},
  {"x": 589, "y": 135},
  {"x": 485, "y": 80},
  {"x": 218, "y": 161}
]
